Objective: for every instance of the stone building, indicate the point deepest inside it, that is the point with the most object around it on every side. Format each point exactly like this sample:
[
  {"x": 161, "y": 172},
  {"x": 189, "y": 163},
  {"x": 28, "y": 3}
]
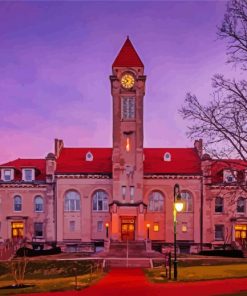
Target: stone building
[{"x": 88, "y": 195}]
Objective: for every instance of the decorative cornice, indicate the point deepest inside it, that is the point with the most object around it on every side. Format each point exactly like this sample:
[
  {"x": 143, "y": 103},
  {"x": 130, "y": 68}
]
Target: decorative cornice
[
  {"x": 166, "y": 177},
  {"x": 23, "y": 185},
  {"x": 83, "y": 176}
]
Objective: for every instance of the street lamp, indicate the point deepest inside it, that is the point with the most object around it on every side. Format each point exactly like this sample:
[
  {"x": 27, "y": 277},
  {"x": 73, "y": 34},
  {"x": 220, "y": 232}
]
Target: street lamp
[
  {"x": 107, "y": 229},
  {"x": 177, "y": 207},
  {"x": 148, "y": 227}
]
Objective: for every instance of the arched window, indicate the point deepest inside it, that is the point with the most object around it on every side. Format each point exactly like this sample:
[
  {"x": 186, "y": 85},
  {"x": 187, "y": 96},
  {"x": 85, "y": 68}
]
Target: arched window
[
  {"x": 17, "y": 203},
  {"x": 219, "y": 204},
  {"x": 72, "y": 201},
  {"x": 241, "y": 205},
  {"x": 156, "y": 202},
  {"x": 188, "y": 201},
  {"x": 100, "y": 201},
  {"x": 38, "y": 204}
]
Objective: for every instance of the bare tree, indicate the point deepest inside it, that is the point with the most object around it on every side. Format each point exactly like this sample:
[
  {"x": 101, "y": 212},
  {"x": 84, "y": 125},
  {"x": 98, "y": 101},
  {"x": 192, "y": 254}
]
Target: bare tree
[
  {"x": 234, "y": 30},
  {"x": 222, "y": 123}
]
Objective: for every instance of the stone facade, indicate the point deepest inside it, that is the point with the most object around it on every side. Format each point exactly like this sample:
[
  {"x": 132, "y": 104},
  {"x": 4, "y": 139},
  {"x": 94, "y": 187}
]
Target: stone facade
[{"x": 84, "y": 197}]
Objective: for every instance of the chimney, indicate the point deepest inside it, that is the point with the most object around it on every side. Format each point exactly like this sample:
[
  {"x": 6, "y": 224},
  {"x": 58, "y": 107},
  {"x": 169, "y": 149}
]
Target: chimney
[
  {"x": 198, "y": 146},
  {"x": 50, "y": 167},
  {"x": 58, "y": 147}
]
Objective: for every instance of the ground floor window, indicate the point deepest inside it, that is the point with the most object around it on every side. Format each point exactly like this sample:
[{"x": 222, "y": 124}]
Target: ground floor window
[
  {"x": 38, "y": 229},
  {"x": 99, "y": 226},
  {"x": 219, "y": 232}
]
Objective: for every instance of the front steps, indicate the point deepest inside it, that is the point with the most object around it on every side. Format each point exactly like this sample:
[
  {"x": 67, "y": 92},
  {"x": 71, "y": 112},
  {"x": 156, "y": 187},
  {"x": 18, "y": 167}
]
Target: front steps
[{"x": 129, "y": 254}]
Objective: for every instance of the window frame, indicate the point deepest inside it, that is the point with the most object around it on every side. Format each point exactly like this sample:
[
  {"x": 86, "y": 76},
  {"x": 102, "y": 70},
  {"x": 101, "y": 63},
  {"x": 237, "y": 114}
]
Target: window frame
[
  {"x": 217, "y": 231},
  {"x": 152, "y": 202},
  {"x": 98, "y": 199},
  {"x": 219, "y": 205},
  {"x": 35, "y": 230},
  {"x": 35, "y": 204},
  {"x": 17, "y": 204},
  {"x": 24, "y": 170},
  {"x": 72, "y": 204},
  {"x": 187, "y": 201},
  {"x": 10, "y": 175},
  {"x": 241, "y": 198}
]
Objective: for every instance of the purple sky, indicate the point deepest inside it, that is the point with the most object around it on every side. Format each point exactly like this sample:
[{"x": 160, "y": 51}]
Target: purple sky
[{"x": 55, "y": 62}]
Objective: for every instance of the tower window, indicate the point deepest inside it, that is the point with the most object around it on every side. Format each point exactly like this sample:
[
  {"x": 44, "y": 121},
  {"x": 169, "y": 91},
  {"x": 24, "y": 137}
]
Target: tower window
[
  {"x": 123, "y": 192},
  {"x": 128, "y": 108},
  {"x": 128, "y": 144},
  {"x": 132, "y": 193}
]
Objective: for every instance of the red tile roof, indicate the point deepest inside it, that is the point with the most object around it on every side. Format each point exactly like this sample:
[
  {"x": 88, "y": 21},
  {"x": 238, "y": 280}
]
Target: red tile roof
[
  {"x": 73, "y": 160},
  {"x": 127, "y": 56},
  {"x": 218, "y": 166},
  {"x": 183, "y": 161},
  {"x": 18, "y": 164}
]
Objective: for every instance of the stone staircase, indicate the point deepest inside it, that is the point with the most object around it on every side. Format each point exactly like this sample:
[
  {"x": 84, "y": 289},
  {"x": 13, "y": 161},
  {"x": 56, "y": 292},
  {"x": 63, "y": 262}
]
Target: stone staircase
[{"x": 129, "y": 254}]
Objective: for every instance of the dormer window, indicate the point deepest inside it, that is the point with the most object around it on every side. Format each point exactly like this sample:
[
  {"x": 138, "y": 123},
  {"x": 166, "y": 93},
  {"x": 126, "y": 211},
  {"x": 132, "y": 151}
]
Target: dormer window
[
  {"x": 230, "y": 176},
  {"x": 89, "y": 156},
  {"x": 7, "y": 175},
  {"x": 28, "y": 175},
  {"x": 167, "y": 156}
]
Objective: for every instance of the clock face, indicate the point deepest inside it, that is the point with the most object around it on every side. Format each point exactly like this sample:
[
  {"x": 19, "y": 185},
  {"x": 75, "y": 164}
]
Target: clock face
[{"x": 127, "y": 81}]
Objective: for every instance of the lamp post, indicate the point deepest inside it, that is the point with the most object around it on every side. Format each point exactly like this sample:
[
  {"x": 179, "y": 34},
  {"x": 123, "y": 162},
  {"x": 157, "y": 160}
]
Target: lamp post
[
  {"x": 148, "y": 227},
  {"x": 107, "y": 229},
  {"x": 177, "y": 207}
]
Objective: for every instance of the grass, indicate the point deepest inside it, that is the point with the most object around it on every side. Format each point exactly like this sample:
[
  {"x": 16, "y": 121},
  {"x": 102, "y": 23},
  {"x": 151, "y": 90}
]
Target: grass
[
  {"x": 51, "y": 275},
  {"x": 199, "y": 273},
  {"x": 50, "y": 285}
]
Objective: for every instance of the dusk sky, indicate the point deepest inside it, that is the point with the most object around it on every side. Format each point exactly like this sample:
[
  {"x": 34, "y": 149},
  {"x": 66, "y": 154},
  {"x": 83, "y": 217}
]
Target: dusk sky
[{"x": 55, "y": 62}]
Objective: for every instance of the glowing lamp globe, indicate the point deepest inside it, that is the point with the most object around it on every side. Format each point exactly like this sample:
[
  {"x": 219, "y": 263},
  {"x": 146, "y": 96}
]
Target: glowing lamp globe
[{"x": 179, "y": 206}]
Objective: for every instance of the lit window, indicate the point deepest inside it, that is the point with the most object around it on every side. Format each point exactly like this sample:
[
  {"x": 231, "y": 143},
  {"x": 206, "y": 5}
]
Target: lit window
[
  {"x": 128, "y": 144},
  {"x": 99, "y": 226},
  {"x": 38, "y": 229},
  {"x": 100, "y": 201},
  {"x": 156, "y": 227},
  {"x": 7, "y": 175},
  {"x": 17, "y": 203},
  {"x": 241, "y": 205},
  {"x": 219, "y": 204},
  {"x": 187, "y": 200},
  {"x": 28, "y": 175},
  {"x": 38, "y": 204},
  {"x": 156, "y": 202},
  {"x": 132, "y": 193},
  {"x": 123, "y": 192},
  {"x": 89, "y": 156},
  {"x": 167, "y": 156},
  {"x": 72, "y": 201},
  {"x": 184, "y": 227},
  {"x": 72, "y": 226},
  {"x": 219, "y": 232},
  {"x": 128, "y": 108}
]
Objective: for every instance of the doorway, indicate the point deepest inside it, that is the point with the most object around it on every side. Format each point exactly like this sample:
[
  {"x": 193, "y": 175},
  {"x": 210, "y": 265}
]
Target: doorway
[
  {"x": 128, "y": 229},
  {"x": 17, "y": 229},
  {"x": 241, "y": 235}
]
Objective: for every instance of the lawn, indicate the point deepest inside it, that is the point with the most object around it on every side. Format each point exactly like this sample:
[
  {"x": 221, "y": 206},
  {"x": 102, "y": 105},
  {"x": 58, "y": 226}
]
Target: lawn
[
  {"x": 51, "y": 275},
  {"x": 199, "y": 273}
]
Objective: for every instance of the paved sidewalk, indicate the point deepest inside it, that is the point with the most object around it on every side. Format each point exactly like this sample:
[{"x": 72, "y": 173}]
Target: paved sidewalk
[{"x": 132, "y": 282}]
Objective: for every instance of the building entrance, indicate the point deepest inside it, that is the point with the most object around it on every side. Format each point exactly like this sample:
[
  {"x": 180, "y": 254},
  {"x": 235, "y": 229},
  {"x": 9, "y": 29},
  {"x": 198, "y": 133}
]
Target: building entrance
[
  {"x": 241, "y": 235},
  {"x": 128, "y": 229},
  {"x": 17, "y": 229}
]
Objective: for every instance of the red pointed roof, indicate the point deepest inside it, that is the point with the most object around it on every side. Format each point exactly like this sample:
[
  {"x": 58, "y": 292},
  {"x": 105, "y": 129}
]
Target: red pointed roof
[{"x": 127, "y": 56}]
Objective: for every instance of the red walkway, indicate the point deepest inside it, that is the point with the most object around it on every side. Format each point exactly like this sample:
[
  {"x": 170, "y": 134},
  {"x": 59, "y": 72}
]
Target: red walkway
[{"x": 132, "y": 282}]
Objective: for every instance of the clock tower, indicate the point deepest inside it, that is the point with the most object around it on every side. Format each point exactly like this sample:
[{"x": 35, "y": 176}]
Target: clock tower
[{"x": 127, "y": 89}]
